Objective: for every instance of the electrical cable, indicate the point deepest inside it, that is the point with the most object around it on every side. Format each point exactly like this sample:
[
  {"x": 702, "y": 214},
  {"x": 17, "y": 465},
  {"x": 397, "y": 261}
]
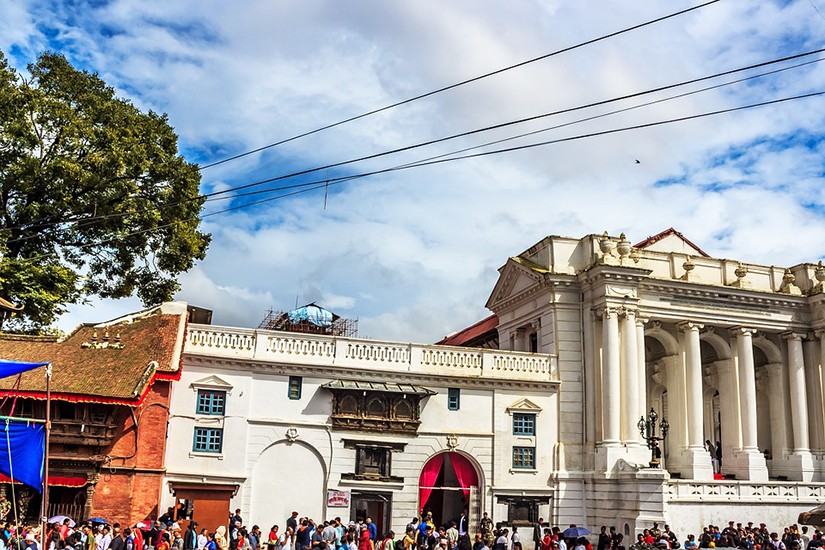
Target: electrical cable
[
  {"x": 84, "y": 222},
  {"x": 461, "y": 83},
  {"x": 463, "y": 157},
  {"x": 526, "y": 134}
]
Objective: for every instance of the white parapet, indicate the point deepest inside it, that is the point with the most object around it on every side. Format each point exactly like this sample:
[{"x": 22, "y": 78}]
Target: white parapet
[
  {"x": 744, "y": 492},
  {"x": 318, "y": 350}
]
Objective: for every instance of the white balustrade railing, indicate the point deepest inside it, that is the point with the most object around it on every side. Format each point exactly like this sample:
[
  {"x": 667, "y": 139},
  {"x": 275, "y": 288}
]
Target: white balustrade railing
[
  {"x": 311, "y": 349},
  {"x": 743, "y": 491}
]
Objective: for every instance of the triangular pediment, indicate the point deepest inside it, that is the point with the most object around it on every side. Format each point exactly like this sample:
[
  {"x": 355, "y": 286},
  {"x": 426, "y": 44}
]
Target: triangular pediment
[
  {"x": 524, "y": 405},
  {"x": 214, "y": 382},
  {"x": 517, "y": 276},
  {"x": 671, "y": 240}
]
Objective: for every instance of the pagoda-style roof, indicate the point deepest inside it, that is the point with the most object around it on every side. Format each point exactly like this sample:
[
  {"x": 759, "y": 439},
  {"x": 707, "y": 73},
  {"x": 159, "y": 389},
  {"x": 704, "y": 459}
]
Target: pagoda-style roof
[{"x": 114, "y": 362}]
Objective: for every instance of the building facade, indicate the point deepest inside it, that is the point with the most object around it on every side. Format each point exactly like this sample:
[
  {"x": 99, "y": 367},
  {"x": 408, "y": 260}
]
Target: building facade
[
  {"x": 111, "y": 385},
  {"x": 541, "y": 418},
  {"x": 335, "y": 426},
  {"x": 729, "y": 352}
]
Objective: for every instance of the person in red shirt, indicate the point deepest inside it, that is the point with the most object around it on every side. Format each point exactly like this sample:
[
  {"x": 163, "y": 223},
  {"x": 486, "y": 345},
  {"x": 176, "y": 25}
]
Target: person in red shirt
[{"x": 547, "y": 540}]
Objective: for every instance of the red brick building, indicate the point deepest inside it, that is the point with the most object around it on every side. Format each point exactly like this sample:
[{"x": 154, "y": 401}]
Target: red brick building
[{"x": 111, "y": 385}]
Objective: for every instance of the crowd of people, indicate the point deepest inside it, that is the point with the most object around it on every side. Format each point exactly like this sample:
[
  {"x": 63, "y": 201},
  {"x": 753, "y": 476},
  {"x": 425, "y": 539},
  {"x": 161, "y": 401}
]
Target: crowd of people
[{"x": 303, "y": 533}]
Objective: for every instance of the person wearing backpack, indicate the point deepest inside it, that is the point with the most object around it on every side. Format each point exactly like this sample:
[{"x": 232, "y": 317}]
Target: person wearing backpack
[{"x": 389, "y": 541}]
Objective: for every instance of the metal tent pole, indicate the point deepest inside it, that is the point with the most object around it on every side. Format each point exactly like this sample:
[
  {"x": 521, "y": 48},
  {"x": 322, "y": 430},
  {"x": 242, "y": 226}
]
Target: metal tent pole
[{"x": 45, "y": 500}]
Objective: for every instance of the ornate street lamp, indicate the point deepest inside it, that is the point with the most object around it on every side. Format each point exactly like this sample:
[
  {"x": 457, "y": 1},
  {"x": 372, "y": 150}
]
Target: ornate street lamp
[{"x": 647, "y": 427}]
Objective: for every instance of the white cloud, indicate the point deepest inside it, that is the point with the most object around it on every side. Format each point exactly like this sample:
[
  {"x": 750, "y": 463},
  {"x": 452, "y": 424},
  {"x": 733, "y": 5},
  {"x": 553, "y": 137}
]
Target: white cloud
[{"x": 413, "y": 254}]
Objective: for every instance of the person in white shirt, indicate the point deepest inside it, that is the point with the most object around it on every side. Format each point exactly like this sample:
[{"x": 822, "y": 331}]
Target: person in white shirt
[{"x": 285, "y": 540}]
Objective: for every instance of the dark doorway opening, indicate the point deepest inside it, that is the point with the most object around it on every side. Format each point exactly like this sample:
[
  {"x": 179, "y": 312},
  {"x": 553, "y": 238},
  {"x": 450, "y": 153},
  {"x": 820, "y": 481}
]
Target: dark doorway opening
[{"x": 377, "y": 506}]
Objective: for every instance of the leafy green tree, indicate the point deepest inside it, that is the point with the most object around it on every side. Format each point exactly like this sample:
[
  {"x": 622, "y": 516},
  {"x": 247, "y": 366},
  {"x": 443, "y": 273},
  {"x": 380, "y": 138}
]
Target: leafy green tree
[{"x": 94, "y": 198}]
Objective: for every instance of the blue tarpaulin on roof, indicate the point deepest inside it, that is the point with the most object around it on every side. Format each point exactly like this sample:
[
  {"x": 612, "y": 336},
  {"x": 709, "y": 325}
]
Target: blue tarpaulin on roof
[
  {"x": 27, "y": 442},
  {"x": 311, "y": 313},
  {"x": 10, "y": 368}
]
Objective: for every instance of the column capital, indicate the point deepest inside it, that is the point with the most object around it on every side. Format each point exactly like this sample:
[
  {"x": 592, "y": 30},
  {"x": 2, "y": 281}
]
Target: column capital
[
  {"x": 686, "y": 326},
  {"x": 794, "y": 335},
  {"x": 626, "y": 312},
  {"x": 641, "y": 321},
  {"x": 742, "y": 331},
  {"x": 820, "y": 334},
  {"x": 605, "y": 312}
]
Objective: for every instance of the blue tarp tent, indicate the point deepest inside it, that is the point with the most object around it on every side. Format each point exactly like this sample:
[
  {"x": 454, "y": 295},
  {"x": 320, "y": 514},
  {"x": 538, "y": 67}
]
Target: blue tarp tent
[
  {"x": 27, "y": 442},
  {"x": 10, "y": 368},
  {"x": 22, "y": 444}
]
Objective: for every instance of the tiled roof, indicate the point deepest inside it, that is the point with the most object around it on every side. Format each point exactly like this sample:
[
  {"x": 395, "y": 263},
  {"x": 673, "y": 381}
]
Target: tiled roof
[
  {"x": 84, "y": 370},
  {"x": 474, "y": 331}
]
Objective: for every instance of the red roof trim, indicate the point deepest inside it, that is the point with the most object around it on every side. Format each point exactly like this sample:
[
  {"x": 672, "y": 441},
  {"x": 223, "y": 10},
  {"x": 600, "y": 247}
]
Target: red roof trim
[
  {"x": 54, "y": 481},
  {"x": 670, "y": 231},
  {"x": 88, "y": 398},
  {"x": 477, "y": 329}
]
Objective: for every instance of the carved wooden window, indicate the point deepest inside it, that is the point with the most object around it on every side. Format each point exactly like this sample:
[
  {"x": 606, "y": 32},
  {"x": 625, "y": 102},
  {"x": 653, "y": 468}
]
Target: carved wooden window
[
  {"x": 373, "y": 461},
  {"x": 404, "y": 410},
  {"x": 348, "y": 405},
  {"x": 97, "y": 415},
  {"x": 377, "y": 407}
]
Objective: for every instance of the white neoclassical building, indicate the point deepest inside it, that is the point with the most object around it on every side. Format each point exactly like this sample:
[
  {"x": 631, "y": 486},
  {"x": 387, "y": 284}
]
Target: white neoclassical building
[
  {"x": 588, "y": 335},
  {"x": 333, "y": 426}
]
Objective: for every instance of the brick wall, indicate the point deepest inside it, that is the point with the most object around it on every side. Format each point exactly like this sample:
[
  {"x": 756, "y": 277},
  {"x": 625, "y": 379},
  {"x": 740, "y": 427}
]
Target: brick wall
[{"x": 129, "y": 488}]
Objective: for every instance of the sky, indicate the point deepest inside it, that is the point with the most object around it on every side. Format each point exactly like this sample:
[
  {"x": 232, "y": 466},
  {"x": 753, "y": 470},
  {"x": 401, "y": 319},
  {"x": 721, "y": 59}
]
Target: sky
[{"x": 413, "y": 254}]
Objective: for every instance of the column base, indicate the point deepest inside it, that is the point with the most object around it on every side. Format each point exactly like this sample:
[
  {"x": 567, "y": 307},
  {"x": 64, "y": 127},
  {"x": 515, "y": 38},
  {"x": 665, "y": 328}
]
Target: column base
[
  {"x": 697, "y": 465},
  {"x": 746, "y": 464},
  {"x": 608, "y": 454},
  {"x": 798, "y": 466}
]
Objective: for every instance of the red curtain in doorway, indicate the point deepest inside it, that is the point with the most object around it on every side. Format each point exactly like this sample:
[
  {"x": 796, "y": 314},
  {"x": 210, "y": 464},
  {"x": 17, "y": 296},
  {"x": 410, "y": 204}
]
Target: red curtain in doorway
[
  {"x": 428, "y": 477},
  {"x": 465, "y": 473}
]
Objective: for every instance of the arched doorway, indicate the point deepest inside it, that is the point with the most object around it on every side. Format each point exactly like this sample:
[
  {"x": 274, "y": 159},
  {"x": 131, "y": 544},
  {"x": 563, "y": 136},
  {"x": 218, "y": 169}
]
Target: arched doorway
[
  {"x": 447, "y": 486},
  {"x": 273, "y": 483}
]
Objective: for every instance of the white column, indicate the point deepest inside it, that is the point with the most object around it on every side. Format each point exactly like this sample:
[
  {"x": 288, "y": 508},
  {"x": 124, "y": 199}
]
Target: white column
[
  {"x": 642, "y": 362},
  {"x": 729, "y": 408},
  {"x": 630, "y": 379},
  {"x": 810, "y": 348},
  {"x": 799, "y": 398},
  {"x": 693, "y": 383},
  {"x": 748, "y": 463},
  {"x": 611, "y": 379},
  {"x": 777, "y": 408},
  {"x": 747, "y": 387}
]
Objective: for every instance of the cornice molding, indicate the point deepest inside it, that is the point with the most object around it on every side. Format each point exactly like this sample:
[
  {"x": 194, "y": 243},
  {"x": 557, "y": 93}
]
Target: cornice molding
[{"x": 277, "y": 369}]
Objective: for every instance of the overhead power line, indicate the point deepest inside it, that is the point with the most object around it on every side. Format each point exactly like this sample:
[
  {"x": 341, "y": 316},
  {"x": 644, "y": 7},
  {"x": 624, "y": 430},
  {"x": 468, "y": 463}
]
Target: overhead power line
[
  {"x": 527, "y": 134},
  {"x": 510, "y": 123},
  {"x": 461, "y": 83},
  {"x": 334, "y": 181},
  {"x": 214, "y": 196}
]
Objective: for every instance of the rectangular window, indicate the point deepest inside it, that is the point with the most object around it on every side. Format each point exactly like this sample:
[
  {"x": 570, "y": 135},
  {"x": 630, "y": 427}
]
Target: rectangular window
[
  {"x": 524, "y": 424},
  {"x": 211, "y": 402},
  {"x": 453, "y": 398},
  {"x": 294, "y": 391},
  {"x": 372, "y": 461},
  {"x": 208, "y": 440},
  {"x": 524, "y": 458}
]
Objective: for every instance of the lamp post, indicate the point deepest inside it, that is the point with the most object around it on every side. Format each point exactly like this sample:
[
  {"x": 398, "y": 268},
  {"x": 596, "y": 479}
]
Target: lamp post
[{"x": 647, "y": 427}]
